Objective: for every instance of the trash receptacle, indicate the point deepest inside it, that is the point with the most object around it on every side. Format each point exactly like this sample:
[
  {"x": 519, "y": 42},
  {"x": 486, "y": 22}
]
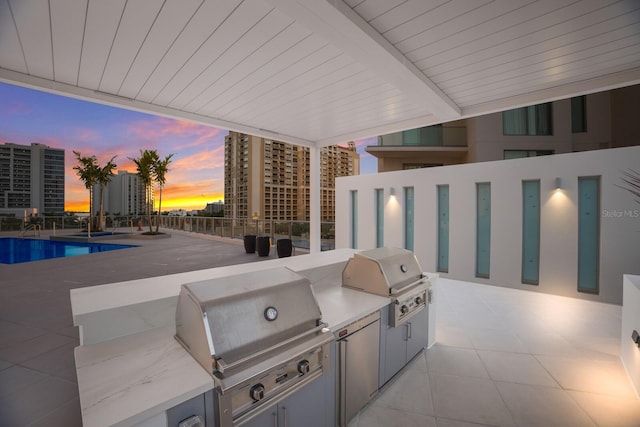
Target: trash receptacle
[
  {"x": 284, "y": 247},
  {"x": 250, "y": 243},
  {"x": 263, "y": 244}
]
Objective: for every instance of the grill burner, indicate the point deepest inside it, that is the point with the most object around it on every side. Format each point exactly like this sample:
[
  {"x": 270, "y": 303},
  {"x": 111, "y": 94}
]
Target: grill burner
[
  {"x": 393, "y": 273},
  {"x": 258, "y": 334}
]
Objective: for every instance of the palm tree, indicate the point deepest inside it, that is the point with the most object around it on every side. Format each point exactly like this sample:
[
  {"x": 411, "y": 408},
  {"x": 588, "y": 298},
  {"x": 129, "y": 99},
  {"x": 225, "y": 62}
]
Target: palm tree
[
  {"x": 145, "y": 168},
  {"x": 160, "y": 170},
  {"x": 87, "y": 170},
  {"x": 104, "y": 175}
]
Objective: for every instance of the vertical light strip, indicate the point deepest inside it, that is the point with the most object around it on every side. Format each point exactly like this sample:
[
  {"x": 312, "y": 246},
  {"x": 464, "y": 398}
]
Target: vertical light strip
[
  {"x": 379, "y": 217},
  {"x": 588, "y": 234},
  {"x": 408, "y": 218},
  {"x": 483, "y": 229},
  {"x": 443, "y": 228},
  {"x": 354, "y": 219},
  {"x": 530, "y": 232}
]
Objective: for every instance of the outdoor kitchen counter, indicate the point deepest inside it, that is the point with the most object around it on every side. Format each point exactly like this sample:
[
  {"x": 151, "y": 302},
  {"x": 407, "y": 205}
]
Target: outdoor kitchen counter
[{"x": 135, "y": 378}]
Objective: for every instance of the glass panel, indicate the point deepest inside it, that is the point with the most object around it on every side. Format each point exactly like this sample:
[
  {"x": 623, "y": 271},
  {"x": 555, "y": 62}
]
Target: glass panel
[
  {"x": 354, "y": 219},
  {"x": 532, "y": 120},
  {"x": 411, "y": 137},
  {"x": 543, "y": 119},
  {"x": 379, "y": 217},
  {"x": 530, "y": 232},
  {"x": 483, "y": 231},
  {"x": 578, "y": 114},
  {"x": 443, "y": 228},
  {"x": 588, "y": 233},
  {"x": 514, "y": 122},
  {"x": 408, "y": 218}
]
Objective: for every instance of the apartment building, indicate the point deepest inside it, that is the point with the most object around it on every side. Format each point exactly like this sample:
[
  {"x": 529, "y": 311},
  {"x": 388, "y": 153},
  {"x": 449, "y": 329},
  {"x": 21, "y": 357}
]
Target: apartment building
[
  {"x": 590, "y": 122},
  {"x": 268, "y": 179},
  {"x": 31, "y": 179},
  {"x": 124, "y": 195}
]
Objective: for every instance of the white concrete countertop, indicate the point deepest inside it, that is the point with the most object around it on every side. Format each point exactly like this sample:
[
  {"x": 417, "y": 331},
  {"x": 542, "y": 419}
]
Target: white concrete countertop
[{"x": 128, "y": 379}]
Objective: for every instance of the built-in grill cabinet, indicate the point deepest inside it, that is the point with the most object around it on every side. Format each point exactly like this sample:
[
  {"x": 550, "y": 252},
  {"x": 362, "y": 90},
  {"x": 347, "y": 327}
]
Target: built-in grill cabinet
[
  {"x": 258, "y": 334},
  {"x": 393, "y": 273}
]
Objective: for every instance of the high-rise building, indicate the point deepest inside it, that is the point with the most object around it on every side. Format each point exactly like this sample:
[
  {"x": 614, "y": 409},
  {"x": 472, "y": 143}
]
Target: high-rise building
[
  {"x": 268, "y": 179},
  {"x": 31, "y": 179},
  {"x": 124, "y": 195}
]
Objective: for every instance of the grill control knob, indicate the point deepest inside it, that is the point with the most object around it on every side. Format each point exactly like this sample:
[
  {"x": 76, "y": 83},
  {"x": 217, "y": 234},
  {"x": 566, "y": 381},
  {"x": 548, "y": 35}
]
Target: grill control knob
[
  {"x": 419, "y": 300},
  {"x": 404, "y": 309},
  {"x": 303, "y": 367},
  {"x": 257, "y": 392}
]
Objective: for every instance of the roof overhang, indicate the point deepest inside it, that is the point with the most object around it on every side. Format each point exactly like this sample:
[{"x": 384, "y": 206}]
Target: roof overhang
[{"x": 320, "y": 72}]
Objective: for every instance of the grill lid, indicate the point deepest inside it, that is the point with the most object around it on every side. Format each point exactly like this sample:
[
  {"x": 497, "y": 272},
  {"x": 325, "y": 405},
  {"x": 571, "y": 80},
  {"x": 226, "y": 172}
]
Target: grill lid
[
  {"x": 223, "y": 322},
  {"x": 382, "y": 271}
]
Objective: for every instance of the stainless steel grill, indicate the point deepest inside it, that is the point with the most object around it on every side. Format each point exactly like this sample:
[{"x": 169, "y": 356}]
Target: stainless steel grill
[
  {"x": 390, "y": 272},
  {"x": 258, "y": 334}
]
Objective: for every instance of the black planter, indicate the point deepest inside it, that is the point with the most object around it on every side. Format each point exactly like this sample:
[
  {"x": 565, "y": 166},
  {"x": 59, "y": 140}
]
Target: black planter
[
  {"x": 263, "y": 244},
  {"x": 250, "y": 243},
  {"x": 284, "y": 247}
]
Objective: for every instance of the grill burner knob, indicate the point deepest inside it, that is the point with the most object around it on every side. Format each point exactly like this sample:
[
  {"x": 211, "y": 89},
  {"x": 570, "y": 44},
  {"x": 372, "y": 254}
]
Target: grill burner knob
[
  {"x": 404, "y": 309},
  {"x": 303, "y": 367},
  {"x": 257, "y": 392},
  {"x": 419, "y": 300}
]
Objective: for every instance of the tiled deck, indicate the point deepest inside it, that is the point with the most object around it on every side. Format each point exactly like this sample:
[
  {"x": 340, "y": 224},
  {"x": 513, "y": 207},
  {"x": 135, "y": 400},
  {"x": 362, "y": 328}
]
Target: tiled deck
[
  {"x": 504, "y": 357},
  {"x": 512, "y": 358}
]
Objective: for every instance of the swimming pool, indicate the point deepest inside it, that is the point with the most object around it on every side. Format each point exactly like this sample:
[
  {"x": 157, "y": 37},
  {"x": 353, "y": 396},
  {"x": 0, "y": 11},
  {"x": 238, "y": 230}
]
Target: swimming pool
[{"x": 15, "y": 250}]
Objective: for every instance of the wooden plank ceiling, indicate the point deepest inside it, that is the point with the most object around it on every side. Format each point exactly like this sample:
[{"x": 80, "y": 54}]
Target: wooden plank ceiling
[{"x": 317, "y": 72}]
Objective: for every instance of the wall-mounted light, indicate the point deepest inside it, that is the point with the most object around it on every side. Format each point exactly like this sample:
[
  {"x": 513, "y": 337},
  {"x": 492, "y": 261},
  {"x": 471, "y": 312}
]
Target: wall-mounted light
[
  {"x": 558, "y": 183},
  {"x": 392, "y": 191},
  {"x": 636, "y": 337}
]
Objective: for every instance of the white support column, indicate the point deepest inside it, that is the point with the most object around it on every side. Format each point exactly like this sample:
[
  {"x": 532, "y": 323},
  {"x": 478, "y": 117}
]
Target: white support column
[{"x": 314, "y": 200}]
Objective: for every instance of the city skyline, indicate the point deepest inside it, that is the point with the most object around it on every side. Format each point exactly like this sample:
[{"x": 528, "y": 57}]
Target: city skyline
[{"x": 196, "y": 175}]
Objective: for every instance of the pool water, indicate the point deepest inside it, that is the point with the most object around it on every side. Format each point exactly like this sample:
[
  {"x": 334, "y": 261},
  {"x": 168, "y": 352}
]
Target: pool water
[{"x": 15, "y": 250}]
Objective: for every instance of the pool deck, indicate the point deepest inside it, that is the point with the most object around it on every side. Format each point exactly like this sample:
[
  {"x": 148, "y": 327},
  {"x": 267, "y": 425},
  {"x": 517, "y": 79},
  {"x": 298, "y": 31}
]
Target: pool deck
[{"x": 38, "y": 385}]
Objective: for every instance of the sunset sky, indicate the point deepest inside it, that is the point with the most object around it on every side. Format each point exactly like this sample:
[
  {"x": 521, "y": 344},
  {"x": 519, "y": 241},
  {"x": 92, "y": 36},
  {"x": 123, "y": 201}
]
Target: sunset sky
[{"x": 196, "y": 174}]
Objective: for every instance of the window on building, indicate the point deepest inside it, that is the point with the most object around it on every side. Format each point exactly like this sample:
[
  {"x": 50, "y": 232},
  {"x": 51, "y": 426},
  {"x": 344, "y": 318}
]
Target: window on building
[
  {"x": 588, "y": 233},
  {"x": 518, "y": 154},
  {"x": 530, "y": 232},
  {"x": 483, "y": 229},
  {"x": 579, "y": 114},
  {"x": 532, "y": 120}
]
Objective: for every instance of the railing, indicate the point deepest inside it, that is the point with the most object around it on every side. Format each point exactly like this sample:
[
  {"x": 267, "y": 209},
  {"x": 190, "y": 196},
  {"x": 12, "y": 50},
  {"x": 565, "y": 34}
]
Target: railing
[{"x": 235, "y": 228}]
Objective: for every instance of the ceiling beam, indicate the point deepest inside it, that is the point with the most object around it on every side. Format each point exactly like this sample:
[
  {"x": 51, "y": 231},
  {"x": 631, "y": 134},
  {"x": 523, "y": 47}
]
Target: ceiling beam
[
  {"x": 341, "y": 26},
  {"x": 57, "y": 88}
]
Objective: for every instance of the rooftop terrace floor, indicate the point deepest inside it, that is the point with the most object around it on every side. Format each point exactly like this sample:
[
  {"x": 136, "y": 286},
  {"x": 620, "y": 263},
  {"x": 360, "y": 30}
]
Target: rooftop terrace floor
[{"x": 504, "y": 357}]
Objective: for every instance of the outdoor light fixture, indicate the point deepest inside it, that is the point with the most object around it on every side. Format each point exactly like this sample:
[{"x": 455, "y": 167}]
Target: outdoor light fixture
[
  {"x": 392, "y": 191},
  {"x": 558, "y": 183},
  {"x": 636, "y": 337}
]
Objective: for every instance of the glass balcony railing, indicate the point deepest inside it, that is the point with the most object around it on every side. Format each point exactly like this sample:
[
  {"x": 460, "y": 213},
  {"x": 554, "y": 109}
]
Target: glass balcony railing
[
  {"x": 431, "y": 136},
  {"x": 235, "y": 228}
]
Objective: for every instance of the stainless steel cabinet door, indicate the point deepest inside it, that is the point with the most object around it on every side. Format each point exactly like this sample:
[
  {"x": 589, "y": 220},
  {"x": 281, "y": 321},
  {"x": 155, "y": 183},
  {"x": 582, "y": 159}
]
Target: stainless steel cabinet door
[{"x": 360, "y": 352}]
